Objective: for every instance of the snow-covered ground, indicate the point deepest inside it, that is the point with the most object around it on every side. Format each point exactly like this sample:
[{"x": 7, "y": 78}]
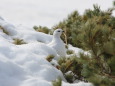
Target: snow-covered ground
[{"x": 26, "y": 64}]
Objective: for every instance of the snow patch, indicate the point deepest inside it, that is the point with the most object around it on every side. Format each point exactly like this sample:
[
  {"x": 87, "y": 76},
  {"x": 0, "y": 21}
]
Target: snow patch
[{"x": 26, "y": 65}]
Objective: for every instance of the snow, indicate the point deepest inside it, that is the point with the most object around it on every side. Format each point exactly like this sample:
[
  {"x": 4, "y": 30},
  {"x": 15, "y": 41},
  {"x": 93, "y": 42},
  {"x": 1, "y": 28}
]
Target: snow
[
  {"x": 26, "y": 64},
  {"x": 78, "y": 51},
  {"x": 78, "y": 84}
]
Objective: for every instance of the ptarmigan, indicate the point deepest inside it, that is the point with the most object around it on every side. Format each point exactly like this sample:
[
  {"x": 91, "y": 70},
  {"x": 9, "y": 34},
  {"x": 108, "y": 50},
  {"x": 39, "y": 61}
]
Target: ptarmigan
[{"x": 57, "y": 43}]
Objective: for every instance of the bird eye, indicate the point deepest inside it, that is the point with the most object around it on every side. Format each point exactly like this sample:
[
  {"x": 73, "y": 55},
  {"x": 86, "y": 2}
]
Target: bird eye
[{"x": 58, "y": 31}]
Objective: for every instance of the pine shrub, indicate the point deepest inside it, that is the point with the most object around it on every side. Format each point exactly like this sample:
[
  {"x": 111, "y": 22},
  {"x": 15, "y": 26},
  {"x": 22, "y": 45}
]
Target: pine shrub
[
  {"x": 71, "y": 68},
  {"x": 69, "y": 52},
  {"x": 18, "y": 41},
  {"x": 94, "y": 31},
  {"x": 42, "y": 29},
  {"x": 57, "y": 82},
  {"x": 49, "y": 58}
]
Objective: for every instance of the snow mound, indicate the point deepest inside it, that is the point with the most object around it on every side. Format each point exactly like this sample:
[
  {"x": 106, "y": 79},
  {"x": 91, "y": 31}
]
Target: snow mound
[
  {"x": 26, "y": 65},
  {"x": 11, "y": 29}
]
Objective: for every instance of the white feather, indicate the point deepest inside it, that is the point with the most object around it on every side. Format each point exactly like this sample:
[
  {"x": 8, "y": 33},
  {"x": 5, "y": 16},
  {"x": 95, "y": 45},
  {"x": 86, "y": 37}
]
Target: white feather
[{"x": 57, "y": 43}]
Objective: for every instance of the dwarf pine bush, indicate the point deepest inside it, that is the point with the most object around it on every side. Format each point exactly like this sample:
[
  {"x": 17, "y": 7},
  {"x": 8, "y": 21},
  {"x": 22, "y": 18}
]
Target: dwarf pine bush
[
  {"x": 49, "y": 58},
  {"x": 70, "y": 52},
  {"x": 18, "y": 41},
  {"x": 57, "y": 82},
  {"x": 71, "y": 68},
  {"x": 42, "y": 29},
  {"x": 93, "y": 31}
]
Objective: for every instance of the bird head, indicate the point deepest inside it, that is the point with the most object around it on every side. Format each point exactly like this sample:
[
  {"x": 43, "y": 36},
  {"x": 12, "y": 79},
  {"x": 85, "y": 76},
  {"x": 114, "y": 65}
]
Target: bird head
[{"x": 58, "y": 32}]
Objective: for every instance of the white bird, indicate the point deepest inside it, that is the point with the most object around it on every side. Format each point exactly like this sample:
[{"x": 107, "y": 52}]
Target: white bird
[{"x": 57, "y": 43}]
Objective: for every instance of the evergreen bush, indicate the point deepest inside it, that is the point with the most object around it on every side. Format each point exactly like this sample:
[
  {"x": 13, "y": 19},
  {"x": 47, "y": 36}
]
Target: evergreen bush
[
  {"x": 49, "y": 58},
  {"x": 42, "y": 29},
  {"x": 95, "y": 32},
  {"x": 18, "y": 41},
  {"x": 57, "y": 82}
]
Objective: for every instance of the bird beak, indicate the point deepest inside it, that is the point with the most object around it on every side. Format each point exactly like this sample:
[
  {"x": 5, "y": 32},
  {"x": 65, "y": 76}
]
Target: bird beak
[{"x": 63, "y": 31}]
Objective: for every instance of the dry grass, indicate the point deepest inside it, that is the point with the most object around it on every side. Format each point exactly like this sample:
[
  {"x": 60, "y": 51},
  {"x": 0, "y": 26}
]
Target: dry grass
[
  {"x": 49, "y": 58},
  {"x": 4, "y": 31},
  {"x": 18, "y": 41}
]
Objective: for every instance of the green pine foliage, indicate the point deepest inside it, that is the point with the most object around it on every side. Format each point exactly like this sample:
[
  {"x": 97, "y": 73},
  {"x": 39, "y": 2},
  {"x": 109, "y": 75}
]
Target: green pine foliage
[
  {"x": 94, "y": 31},
  {"x": 74, "y": 25},
  {"x": 113, "y": 3},
  {"x": 42, "y": 29},
  {"x": 49, "y": 58},
  {"x": 57, "y": 82},
  {"x": 69, "y": 52},
  {"x": 18, "y": 41},
  {"x": 72, "y": 22},
  {"x": 71, "y": 68}
]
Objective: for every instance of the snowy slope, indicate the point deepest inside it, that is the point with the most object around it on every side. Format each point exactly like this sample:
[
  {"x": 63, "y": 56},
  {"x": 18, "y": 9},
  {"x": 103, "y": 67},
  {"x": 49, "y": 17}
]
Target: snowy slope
[{"x": 26, "y": 64}]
